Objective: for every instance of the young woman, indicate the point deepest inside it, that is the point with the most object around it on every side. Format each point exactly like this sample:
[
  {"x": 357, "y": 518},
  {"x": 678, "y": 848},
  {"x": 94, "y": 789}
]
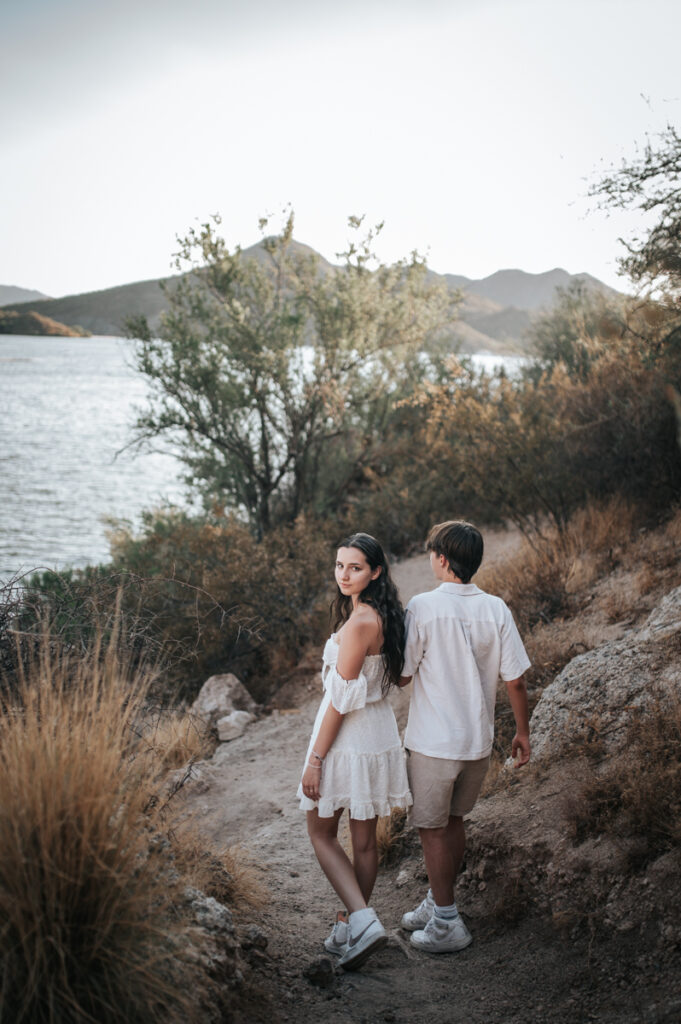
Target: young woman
[{"x": 355, "y": 758}]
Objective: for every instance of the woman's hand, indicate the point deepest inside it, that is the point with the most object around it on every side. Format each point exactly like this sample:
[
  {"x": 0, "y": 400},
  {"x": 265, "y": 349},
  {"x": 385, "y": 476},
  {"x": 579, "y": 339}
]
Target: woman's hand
[{"x": 312, "y": 777}]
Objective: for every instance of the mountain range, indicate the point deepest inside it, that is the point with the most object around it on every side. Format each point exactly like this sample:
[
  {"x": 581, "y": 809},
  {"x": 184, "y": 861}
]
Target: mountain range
[{"x": 495, "y": 315}]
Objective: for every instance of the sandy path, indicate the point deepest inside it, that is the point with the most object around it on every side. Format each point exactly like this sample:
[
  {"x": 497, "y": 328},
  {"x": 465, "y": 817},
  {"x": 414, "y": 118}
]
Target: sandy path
[{"x": 245, "y": 795}]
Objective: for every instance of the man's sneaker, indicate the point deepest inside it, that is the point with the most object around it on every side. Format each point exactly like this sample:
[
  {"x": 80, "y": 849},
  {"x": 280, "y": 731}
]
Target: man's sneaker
[
  {"x": 337, "y": 941},
  {"x": 366, "y": 934},
  {"x": 419, "y": 918},
  {"x": 442, "y": 935}
]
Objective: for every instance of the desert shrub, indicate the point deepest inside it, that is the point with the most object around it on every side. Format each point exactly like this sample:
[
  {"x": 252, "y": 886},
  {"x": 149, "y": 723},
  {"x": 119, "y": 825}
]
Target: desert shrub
[
  {"x": 88, "y": 932},
  {"x": 80, "y": 609},
  {"x": 638, "y": 792},
  {"x": 244, "y": 605},
  {"x": 198, "y": 595},
  {"x": 545, "y": 577}
]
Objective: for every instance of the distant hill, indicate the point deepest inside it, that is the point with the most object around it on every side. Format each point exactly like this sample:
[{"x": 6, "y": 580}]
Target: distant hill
[
  {"x": 29, "y": 322},
  {"x": 522, "y": 290},
  {"x": 103, "y": 312},
  {"x": 10, "y": 293},
  {"x": 495, "y": 315}
]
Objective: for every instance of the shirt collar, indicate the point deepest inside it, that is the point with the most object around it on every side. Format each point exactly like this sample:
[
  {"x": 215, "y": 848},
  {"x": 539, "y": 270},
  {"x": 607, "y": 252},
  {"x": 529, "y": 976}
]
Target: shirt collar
[{"x": 462, "y": 589}]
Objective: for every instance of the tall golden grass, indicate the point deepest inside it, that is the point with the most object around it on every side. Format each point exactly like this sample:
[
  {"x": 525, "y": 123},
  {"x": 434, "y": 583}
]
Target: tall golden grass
[
  {"x": 86, "y": 932},
  {"x": 176, "y": 737}
]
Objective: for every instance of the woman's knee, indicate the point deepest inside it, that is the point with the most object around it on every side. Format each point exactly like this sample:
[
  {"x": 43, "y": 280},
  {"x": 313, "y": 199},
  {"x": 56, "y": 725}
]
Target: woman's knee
[{"x": 363, "y": 835}]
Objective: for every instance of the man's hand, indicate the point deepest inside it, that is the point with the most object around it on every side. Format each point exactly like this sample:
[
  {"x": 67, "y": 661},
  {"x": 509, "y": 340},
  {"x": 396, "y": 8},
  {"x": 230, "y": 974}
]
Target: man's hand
[
  {"x": 520, "y": 749},
  {"x": 517, "y": 695}
]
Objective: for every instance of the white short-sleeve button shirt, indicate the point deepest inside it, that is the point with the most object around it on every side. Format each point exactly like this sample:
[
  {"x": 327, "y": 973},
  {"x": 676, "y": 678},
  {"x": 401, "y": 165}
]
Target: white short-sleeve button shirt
[{"x": 460, "y": 641}]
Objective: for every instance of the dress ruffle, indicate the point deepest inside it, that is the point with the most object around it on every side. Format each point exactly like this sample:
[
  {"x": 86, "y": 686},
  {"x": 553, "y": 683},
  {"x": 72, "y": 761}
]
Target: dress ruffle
[
  {"x": 346, "y": 694},
  {"x": 367, "y": 784}
]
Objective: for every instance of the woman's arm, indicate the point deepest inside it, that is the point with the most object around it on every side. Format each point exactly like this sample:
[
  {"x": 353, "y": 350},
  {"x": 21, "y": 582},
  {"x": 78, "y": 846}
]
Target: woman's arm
[{"x": 328, "y": 730}]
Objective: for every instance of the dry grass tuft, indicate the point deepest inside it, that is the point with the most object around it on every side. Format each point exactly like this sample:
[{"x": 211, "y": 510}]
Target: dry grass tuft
[
  {"x": 177, "y": 738},
  {"x": 550, "y": 647},
  {"x": 392, "y": 837},
  {"x": 637, "y": 794},
  {"x": 232, "y": 875},
  {"x": 658, "y": 557},
  {"x": 544, "y": 578},
  {"x": 86, "y": 932},
  {"x": 624, "y": 604}
]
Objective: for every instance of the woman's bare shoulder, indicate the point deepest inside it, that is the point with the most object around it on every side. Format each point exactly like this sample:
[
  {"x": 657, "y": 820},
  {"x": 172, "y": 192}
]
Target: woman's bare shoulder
[{"x": 364, "y": 623}]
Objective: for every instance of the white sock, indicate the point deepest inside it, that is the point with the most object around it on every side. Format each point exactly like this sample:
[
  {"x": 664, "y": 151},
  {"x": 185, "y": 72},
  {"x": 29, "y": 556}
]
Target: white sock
[{"x": 448, "y": 913}]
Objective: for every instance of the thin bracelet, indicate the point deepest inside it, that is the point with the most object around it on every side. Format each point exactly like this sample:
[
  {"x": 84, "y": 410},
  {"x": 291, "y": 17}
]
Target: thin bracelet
[
  {"x": 310, "y": 765},
  {"x": 318, "y": 756}
]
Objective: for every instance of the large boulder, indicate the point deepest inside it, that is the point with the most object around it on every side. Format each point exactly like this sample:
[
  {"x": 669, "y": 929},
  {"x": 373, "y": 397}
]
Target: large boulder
[
  {"x": 594, "y": 696},
  {"x": 220, "y": 696}
]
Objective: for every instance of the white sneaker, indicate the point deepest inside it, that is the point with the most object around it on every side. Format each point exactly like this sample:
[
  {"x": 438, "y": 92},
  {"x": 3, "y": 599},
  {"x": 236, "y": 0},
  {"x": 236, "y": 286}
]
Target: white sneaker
[
  {"x": 366, "y": 935},
  {"x": 337, "y": 941},
  {"x": 442, "y": 935},
  {"x": 420, "y": 917}
]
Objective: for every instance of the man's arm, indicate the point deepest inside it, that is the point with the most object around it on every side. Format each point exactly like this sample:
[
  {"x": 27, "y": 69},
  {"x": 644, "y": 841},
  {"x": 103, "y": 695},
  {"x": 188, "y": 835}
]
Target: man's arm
[
  {"x": 413, "y": 647},
  {"x": 517, "y": 695}
]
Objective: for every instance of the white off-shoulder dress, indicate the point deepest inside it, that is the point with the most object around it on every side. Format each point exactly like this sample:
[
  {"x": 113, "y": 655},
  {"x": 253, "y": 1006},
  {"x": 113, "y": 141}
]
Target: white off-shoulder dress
[{"x": 365, "y": 768}]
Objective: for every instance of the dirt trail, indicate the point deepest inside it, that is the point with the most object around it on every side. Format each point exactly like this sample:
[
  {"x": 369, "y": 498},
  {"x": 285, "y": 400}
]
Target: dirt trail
[{"x": 246, "y": 794}]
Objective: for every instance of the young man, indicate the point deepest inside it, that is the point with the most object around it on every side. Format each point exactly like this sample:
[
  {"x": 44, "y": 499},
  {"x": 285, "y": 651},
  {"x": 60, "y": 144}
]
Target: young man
[{"x": 460, "y": 641}]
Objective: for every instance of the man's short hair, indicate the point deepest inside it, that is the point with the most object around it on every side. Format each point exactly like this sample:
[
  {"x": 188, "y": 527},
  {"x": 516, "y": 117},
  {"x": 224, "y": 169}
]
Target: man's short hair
[{"x": 461, "y": 544}]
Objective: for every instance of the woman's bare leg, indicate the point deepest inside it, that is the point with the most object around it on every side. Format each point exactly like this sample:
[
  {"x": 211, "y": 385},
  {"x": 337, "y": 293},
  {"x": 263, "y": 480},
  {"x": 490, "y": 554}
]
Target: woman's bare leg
[
  {"x": 334, "y": 861},
  {"x": 364, "y": 854}
]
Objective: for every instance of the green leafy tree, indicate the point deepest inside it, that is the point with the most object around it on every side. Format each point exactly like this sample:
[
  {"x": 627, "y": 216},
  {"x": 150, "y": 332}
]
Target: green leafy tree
[{"x": 274, "y": 374}]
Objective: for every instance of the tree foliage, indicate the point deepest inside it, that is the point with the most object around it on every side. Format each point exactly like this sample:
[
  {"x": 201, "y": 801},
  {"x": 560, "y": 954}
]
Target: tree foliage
[
  {"x": 651, "y": 183},
  {"x": 275, "y": 374},
  {"x": 577, "y": 329}
]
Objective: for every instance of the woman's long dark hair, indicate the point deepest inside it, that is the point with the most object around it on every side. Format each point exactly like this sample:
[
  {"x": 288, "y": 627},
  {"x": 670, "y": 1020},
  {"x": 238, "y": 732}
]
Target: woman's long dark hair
[{"x": 380, "y": 594}]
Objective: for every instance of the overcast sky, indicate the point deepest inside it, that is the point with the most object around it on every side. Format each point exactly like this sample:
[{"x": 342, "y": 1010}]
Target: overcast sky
[{"x": 471, "y": 128}]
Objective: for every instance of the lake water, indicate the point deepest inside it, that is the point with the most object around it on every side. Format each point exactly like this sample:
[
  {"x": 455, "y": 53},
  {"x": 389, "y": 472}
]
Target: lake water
[{"x": 66, "y": 409}]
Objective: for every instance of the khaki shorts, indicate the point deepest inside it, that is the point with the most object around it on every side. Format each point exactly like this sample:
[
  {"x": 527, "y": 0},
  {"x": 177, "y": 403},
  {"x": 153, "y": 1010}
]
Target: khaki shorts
[{"x": 441, "y": 788}]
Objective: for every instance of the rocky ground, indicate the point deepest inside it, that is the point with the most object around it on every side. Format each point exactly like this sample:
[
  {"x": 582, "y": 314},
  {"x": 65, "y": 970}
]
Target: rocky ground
[{"x": 562, "y": 932}]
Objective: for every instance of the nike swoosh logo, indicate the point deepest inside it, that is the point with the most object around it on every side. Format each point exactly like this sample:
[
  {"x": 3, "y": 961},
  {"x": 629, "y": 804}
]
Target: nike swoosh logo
[{"x": 355, "y": 938}]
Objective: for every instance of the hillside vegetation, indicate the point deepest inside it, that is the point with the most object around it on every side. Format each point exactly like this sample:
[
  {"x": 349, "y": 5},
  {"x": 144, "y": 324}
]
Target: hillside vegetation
[{"x": 35, "y": 323}]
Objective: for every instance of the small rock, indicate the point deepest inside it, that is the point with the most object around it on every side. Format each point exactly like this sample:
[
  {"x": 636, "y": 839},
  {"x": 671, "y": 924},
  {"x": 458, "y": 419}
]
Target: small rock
[
  {"x": 403, "y": 877},
  {"x": 219, "y": 696},
  {"x": 320, "y": 973},
  {"x": 254, "y": 937},
  {"x": 233, "y": 725}
]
